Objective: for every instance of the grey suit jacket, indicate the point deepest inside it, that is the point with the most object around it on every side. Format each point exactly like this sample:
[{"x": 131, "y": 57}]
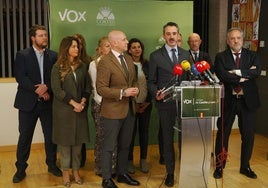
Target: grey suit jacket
[{"x": 161, "y": 68}]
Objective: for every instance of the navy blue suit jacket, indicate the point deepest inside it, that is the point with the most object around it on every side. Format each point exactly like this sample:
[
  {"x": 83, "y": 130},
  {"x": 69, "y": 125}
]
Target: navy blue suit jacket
[{"x": 27, "y": 74}]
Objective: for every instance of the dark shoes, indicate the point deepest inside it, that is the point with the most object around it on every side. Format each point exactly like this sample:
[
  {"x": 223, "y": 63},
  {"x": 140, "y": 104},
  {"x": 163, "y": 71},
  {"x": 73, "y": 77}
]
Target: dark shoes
[
  {"x": 217, "y": 173},
  {"x": 169, "y": 180},
  {"x": 108, "y": 183},
  {"x": 248, "y": 172},
  {"x": 18, "y": 177},
  {"x": 125, "y": 178},
  {"x": 55, "y": 171}
]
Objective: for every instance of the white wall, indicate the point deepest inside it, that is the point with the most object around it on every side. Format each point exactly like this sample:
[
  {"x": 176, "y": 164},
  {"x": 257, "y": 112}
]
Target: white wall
[{"x": 9, "y": 117}]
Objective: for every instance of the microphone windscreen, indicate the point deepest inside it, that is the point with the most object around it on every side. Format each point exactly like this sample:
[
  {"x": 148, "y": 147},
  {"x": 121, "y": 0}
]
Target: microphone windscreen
[
  {"x": 205, "y": 64},
  {"x": 200, "y": 67},
  {"x": 185, "y": 65},
  {"x": 177, "y": 70},
  {"x": 194, "y": 70}
]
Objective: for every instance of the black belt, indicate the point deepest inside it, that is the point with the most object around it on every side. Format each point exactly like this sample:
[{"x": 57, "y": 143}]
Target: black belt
[{"x": 238, "y": 96}]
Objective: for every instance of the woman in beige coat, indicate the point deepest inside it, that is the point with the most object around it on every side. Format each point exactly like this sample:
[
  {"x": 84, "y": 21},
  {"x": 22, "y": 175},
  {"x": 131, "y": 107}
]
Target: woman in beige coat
[{"x": 70, "y": 83}]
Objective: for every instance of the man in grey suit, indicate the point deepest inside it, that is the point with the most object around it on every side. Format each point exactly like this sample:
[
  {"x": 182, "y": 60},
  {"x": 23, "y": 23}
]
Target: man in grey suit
[
  {"x": 32, "y": 69},
  {"x": 237, "y": 68},
  {"x": 116, "y": 83},
  {"x": 161, "y": 66}
]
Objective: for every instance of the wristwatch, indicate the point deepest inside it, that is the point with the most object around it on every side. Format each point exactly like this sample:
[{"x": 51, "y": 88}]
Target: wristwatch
[{"x": 123, "y": 93}]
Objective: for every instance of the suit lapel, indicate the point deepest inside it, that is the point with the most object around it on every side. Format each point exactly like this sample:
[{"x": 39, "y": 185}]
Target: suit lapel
[
  {"x": 35, "y": 62},
  {"x": 169, "y": 64},
  {"x": 117, "y": 64}
]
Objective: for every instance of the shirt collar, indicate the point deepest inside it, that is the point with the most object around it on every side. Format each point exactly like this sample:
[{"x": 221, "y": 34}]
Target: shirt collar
[
  {"x": 168, "y": 48},
  {"x": 37, "y": 51},
  {"x": 116, "y": 53}
]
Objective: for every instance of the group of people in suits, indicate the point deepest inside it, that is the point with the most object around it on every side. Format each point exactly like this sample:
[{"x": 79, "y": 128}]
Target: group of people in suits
[{"x": 43, "y": 76}]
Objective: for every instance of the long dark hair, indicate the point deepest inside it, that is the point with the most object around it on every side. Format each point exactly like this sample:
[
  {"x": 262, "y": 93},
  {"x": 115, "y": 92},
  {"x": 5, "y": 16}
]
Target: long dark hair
[
  {"x": 63, "y": 59},
  {"x": 133, "y": 40},
  {"x": 83, "y": 51}
]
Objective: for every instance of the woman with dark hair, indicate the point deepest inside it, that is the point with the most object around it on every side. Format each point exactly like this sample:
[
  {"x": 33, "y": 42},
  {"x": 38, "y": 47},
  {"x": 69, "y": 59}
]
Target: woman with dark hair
[
  {"x": 85, "y": 58},
  {"x": 143, "y": 105},
  {"x": 70, "y": 83}
]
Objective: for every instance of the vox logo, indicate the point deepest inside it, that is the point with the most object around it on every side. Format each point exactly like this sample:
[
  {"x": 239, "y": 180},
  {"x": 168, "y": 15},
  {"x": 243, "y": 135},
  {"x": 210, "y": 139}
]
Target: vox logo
[
  {"x": 72, "y": 16},
  {"x": 187, "y": 101}
]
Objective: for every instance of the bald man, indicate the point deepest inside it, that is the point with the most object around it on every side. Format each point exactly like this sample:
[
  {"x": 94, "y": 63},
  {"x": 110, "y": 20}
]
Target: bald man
[
  {"x": 194, "y": 42},
  {"x": 116, "y": 83}
]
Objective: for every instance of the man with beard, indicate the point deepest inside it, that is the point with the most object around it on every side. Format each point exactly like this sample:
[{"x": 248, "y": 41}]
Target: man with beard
[
  {"x": 161, "y": 65},
  {"x": 238, "y": 69},
  {"x": 32, "y": 69}
]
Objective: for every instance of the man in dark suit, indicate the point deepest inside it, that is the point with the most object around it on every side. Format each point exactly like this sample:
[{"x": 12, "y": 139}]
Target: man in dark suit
[
  {"x": 237, "y": 68},
  {"x": 116, "y": 83},
  {"x": 196, "y": 55},
  {"x": 194, "y": 42},
  {"x": 161, "y": 65},
  {"x": 32, "y": 69}
]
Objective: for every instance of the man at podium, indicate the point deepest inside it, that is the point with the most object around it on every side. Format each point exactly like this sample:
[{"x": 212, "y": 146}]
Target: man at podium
[{"x": 161, "y": 64}]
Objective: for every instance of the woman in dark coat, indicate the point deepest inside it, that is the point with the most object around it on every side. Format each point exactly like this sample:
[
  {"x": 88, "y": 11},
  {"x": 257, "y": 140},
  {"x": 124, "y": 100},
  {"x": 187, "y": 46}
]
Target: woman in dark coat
[{"x": 70, "y": 83}]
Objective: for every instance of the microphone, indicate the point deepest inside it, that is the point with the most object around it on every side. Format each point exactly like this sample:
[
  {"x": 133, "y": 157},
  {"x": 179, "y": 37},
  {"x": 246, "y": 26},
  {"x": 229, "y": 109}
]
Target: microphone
[
  {"x": 202, "y": 69},
  {"x": 207, "y": 66},
  {"x": 177, "y": 71},
  {"x": 196, "y": 73},
  {"x": 186, "y": 66}
]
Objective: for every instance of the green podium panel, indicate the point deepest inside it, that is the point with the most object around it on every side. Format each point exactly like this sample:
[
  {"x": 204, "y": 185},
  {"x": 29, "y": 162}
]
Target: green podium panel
[{"x": 201, "y": 101}]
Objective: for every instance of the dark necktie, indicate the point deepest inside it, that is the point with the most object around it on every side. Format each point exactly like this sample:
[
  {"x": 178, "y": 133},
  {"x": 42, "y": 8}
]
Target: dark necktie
[
  {"x": 237, "y": 88},
  {"x": 123, "y": 63},
  {"x": 174, "y": 57},
  {"x": 195, "y": 57}
]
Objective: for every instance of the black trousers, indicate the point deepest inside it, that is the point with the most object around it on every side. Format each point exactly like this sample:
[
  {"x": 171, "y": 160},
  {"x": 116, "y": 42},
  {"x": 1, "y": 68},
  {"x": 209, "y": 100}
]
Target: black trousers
[
  {"x": 168, "y": 115},
  {"x": 27, "y": 124},
  {"x": 142, "y": 122},
  {"x": 246, "y": 124}
]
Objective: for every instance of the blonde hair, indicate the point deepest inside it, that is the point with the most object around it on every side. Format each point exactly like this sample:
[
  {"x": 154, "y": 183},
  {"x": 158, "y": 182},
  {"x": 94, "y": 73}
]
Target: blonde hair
[{"x": 101, "y": 43}]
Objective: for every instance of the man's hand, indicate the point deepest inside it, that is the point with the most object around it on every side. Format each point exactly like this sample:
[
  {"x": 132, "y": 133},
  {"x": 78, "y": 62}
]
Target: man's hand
[
  {"x": 45, "y": 96},
  {"x": 232, "y": 71},
  {"x": 243, "y": 80},
  {"x": 131, "y": 92},
  {"x": 41, "y": 89},
  {"x": 160, "y": 95}
]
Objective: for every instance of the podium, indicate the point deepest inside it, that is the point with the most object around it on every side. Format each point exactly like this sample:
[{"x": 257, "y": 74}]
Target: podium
[{"x": 199, "y": 106}]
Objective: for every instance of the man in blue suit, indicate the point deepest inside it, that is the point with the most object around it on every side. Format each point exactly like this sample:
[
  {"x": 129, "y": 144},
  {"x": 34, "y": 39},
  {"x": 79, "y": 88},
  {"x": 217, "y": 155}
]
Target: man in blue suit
[
  {"x": 161, "y": 64},
  {"x": 32, "y": 69}
]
